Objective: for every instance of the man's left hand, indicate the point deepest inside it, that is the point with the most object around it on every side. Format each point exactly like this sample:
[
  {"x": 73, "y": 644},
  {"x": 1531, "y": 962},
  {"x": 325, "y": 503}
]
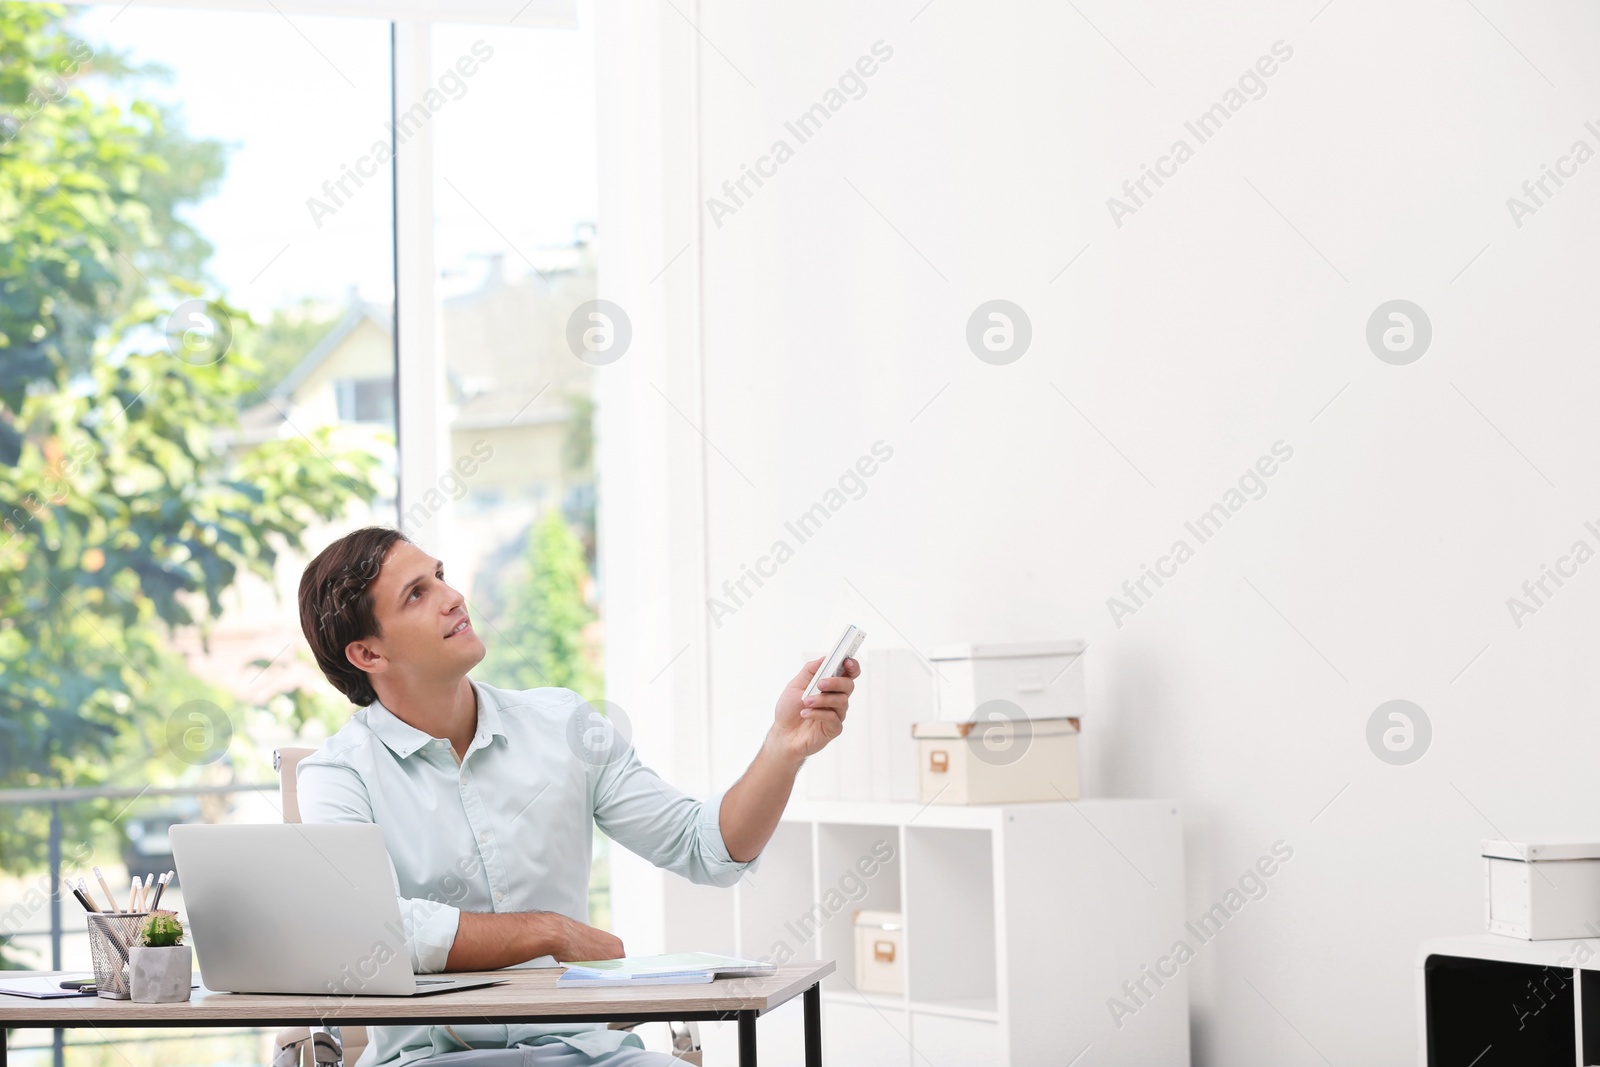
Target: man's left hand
[{"x": 802, "y": 728}]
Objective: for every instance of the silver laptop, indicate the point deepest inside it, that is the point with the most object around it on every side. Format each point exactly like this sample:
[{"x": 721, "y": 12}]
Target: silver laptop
[{"x": 297, "y": 908}]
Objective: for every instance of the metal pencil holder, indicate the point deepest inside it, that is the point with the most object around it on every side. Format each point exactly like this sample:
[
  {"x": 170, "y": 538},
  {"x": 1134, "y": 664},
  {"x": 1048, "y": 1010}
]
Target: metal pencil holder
[{"x": 111, "y": 934}]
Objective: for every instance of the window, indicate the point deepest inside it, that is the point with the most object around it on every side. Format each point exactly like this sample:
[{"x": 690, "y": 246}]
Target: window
[
  {"x": 264, "y": 396},
  {"x": 515, "y": 196},
  {"x": 165, "y": 472},
  {"x": 366, "y": 400}
]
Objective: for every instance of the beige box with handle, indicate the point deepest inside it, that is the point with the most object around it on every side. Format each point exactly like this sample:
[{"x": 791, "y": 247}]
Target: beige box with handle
[
  {"x": 997, "y": 762},
  {"x": 880, "y": 952}
]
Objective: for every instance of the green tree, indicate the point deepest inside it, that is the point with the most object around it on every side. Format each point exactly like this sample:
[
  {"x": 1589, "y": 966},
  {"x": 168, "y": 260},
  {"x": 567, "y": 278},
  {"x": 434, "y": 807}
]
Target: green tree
[
  {"x": 124, "y": 515},
  {"x": 541, "y": 639}
]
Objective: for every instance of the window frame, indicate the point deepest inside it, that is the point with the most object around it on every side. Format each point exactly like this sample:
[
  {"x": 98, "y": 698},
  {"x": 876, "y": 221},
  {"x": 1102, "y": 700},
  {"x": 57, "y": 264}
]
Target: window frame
[{"x": 421, "y": 424}]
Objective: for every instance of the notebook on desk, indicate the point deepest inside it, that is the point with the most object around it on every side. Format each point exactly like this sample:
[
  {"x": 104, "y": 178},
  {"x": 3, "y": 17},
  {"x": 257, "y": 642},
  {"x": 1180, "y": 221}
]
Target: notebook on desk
[
  {"x": 674, "y": 968},
  {"x": 49, "y": 986},
  {"x": 46, "y": 986}
]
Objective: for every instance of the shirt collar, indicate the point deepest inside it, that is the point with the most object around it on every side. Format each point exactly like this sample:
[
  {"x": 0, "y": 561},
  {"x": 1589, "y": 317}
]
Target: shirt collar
[{"x": 403, "y": 739}]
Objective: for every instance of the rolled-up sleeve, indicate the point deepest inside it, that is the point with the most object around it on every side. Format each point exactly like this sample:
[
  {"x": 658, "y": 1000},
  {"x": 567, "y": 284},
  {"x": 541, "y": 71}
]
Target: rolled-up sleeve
[
  {"x": 331, "y": 792},
  {"x": 648, "y": 816}
]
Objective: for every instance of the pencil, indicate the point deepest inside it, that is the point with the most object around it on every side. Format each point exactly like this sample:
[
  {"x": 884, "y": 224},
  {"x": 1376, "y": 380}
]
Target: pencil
[
  {"x": 116, "y": 941},
  {"x": 161, "y": 887},
  {"x": 102, "y": 880},
  {"x": 133, "y": 894}
]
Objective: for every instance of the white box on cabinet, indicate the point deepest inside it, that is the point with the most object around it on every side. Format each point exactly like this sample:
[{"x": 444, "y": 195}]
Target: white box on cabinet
[
  {"x": 880, "y": 944},
  {"x": 1042, "y": 678},
  {"x": 1542, "y": 890}
]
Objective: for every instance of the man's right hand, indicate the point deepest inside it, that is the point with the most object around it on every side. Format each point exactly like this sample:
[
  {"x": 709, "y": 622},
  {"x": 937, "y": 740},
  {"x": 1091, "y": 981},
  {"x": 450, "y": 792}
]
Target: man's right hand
[
  {"x": 580, "y": 941},
  {"x": 489, "y": 941}
]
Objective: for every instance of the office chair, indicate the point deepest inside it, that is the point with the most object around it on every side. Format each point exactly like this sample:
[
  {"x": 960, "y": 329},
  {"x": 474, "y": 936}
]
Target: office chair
[{"x": 339, "y": 1046}]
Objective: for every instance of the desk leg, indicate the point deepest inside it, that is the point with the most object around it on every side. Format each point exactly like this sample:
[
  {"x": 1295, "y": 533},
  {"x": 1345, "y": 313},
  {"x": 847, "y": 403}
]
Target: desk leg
[
  {"x": 813, "y": 1007},
  {"x": 747, "y": 1039}
]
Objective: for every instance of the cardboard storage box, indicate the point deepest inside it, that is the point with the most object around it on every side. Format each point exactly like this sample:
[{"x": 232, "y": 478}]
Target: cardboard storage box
[
  {"x": 880, "y": 952},
  {"x": 997, "y": 762},
  {"x": 1542, "y": 890},
  {"x": 1042, "y": 678}
]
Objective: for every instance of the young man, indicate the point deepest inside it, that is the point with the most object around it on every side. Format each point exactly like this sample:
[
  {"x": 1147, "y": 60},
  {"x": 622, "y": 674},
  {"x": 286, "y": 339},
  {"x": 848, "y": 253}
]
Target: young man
[{"x": 487, "y": 797}]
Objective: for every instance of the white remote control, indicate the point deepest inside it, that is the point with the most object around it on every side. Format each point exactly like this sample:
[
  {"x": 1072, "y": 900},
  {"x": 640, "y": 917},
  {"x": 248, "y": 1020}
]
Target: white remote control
[{"x": 833, "y": 665}]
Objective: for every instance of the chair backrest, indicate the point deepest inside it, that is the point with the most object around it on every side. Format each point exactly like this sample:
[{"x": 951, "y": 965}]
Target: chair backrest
[{"x": 285, "y": 760}]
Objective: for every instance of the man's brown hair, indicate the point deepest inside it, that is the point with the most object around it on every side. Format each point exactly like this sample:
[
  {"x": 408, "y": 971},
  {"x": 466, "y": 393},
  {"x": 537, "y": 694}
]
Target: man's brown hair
[{"x": 336, "y": 605}]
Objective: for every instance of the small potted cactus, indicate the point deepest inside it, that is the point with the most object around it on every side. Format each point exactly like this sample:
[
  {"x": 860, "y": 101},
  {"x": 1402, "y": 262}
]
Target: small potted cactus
[{"x": 160, "y": 969}]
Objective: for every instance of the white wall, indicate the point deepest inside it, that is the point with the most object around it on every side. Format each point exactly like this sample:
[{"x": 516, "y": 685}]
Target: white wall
[{"x": 1223, "y": 316}]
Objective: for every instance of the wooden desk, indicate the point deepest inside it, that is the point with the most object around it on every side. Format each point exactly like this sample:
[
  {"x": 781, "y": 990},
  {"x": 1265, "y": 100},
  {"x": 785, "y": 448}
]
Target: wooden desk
[{"x": 528, "y": 995}]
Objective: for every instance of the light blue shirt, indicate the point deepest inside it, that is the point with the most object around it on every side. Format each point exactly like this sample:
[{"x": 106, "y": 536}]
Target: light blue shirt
[{"x": 509, "y": 828}]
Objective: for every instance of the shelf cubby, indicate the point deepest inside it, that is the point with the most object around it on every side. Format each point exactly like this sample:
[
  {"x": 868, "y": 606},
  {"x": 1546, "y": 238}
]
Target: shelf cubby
[{"x": 1021, "y": 922}]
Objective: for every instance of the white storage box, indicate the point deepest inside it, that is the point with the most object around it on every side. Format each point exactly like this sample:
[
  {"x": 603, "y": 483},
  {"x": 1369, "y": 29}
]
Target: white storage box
[
  {"x": 880, "y": 952},
  {"x": 1043, "y": 678},
  {"x": 1542, "y": 890},
  {"x": 997, "y": 762}
]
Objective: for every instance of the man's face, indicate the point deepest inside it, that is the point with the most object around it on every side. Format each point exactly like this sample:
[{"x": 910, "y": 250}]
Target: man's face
[{"x": 426, "y": 633}]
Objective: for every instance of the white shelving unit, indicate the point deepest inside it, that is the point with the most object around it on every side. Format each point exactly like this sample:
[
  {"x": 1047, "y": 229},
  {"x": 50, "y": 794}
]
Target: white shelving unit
[
  {"x": 1022, "y": 922},
  {"x": 1527, "y": 999}
]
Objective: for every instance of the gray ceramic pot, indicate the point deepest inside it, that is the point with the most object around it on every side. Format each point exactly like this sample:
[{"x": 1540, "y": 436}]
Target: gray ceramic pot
[{"x": 159, "y": 975}]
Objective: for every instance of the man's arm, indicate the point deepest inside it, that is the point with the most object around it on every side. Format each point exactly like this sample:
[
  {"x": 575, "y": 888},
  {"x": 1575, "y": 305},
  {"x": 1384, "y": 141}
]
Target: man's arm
[
  {"x": 440, "y": 936},
  {"x": 487, "y": 942},
  {"x": 753, "y": 805}
]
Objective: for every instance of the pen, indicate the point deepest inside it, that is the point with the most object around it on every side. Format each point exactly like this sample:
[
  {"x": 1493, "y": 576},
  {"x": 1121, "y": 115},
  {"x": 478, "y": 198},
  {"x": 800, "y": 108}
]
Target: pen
[
  {"x": 87, "y": 904},
  {"x": 160, "y": 888},
  {"x": 102, "y": 880}
]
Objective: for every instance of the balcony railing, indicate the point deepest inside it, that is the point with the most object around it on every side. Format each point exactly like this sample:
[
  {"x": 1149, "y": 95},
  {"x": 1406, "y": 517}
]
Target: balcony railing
[{"x": 55, "y": 799}]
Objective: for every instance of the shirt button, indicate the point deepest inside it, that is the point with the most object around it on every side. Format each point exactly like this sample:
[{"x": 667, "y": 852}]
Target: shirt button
[
  {"x": 484, "y": 837},
  {"x": 499, "y": 895}
]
